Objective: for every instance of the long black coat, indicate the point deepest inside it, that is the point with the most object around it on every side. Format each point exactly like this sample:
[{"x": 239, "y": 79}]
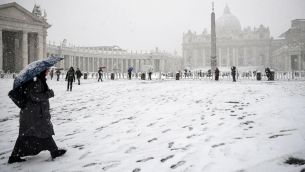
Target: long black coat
[{"x": 31, "y": 121}]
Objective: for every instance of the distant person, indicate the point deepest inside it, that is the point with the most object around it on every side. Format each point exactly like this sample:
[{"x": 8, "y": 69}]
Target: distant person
[
  {"x": 100, "y": 73},
  {"x": 233, "y": 73},
  {"x": 149, "y": 75},
  {"x": 209, "y": 73},
  {"x": 70, "y": 77},
  {"x": 52, "y": 73},
  {"x": 216, "y": 74},
  {"x": 58, "y": 74},
  {"x": 78, "y": 75},
  {"x": 268, "y": 72},
  {"x": 129, "y": 74}
]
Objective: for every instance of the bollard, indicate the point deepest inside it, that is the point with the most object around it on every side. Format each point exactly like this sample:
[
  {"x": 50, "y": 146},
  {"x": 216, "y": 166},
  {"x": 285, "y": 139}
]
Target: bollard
[
  {"x": 177, "y": 76},
  {"x": 143, "y": 76},
  {"x": 271, "y": 75},
  {"x": 112, "y": 76},
  {"x": 258, "y": 75},
  {"x": 85, "y": 75}
]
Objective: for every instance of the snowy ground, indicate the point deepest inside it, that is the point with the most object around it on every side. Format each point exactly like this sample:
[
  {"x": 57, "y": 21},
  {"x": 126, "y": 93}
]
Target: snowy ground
[{"x": 167, "y": 125}]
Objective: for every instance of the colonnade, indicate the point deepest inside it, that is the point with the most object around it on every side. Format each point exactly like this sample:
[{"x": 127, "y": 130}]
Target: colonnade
[{"x": 90, "y": 61}]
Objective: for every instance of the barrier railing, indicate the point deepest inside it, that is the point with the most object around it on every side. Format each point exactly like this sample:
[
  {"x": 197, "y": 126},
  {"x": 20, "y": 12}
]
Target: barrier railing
[{"x": 278, "y": 75}]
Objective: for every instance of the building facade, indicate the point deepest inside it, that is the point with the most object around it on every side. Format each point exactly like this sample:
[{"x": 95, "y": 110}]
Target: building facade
[
  {"x": 22, "y": 37},
  {"x": 247, "y": 48},
  {"x": 23, "y": 40},
  {"x": 115, "y": 59},
  {"x": 289, "y": 51}
]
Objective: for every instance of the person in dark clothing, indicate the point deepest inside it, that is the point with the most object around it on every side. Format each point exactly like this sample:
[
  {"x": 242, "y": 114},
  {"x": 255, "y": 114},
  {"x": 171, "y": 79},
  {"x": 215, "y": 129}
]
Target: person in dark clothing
[
  {"x": 233, "y": 73},
  {"x": 149, "y": 75},
  {"x": 78, "y": 75},
  {"x": 57, "y": 73},
  {"x": 216, "y": 74},
  {"x": 35, "y": 127},
  {"x": 129, "y": 74},
  {"x": 70, "y": 77},
  {"x": 52, "y": 73},
  {"x": 268, "y": 72},
  {"x": 100, "y": 72},
  {"x": 209, "y": 73}
]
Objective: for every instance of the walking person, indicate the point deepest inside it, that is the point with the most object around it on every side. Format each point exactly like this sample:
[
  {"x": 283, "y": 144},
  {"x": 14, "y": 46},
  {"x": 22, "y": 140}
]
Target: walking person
[
  {"x": 57, "y": 73},
  {"x": 35, "y": 127},
  {"x": 216, "y": 74},
  {"x": 52, "y": 73},
  {"x": 100, "y": 72},
  {"x": 78, "y": 75},
  {"x": 149, "y": 75},
  {"x": 70, "y": 77},
  {"x": 233, "y": 73},
  {"x": 268, "y": 72},
  {"x": 129, "y": 74}
]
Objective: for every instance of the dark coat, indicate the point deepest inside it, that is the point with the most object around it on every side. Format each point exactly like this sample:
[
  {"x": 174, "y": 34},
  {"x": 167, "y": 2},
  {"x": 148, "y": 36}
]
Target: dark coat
[
  {"x": 233, "y": 71},
  {"x": 100, "y": 72},
  {"x": 72, "y": 72},
  {"x": 78, "y": 73},
  {"x": 31, "y": 123}
]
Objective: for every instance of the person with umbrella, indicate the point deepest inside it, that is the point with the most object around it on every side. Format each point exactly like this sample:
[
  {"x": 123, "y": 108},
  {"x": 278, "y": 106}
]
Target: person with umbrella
[
  {"x": 35, "y": 127},
  {"x": 129, "y": 72},
  {"x": 78, "y": 75},
  {"x": 100, "y": 72},
  {"x": 150, "y": 72},
  {"x": 70, "y": 77}
]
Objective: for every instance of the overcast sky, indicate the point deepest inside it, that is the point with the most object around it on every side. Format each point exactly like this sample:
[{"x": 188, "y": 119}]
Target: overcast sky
[{"x": 147, "y": 24}]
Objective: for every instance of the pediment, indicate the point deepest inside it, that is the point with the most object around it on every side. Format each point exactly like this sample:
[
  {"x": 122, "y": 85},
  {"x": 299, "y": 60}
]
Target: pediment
[{"x": 15, "y": 12}]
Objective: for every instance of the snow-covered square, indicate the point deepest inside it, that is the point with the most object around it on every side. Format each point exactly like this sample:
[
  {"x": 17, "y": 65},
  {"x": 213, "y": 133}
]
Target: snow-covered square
[{"x": 166, "y": 125}]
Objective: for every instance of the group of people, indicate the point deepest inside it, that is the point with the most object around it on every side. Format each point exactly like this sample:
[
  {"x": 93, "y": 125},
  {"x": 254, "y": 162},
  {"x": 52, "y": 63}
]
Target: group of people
[{"x": 70, "y": 77}]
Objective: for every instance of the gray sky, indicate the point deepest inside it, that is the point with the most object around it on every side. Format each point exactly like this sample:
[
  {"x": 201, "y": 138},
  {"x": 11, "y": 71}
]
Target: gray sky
[{"x": 146, "y": 24}]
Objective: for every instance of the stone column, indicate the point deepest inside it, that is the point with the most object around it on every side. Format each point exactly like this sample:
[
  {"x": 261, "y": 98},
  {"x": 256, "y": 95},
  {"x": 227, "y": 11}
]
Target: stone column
[
  {"x": 25, "y": 58},
  {"x": 254, "y": 58},
  {"x": 40, "y": 46},
  {"x": 228, "y": 56},
  {"x": 45, "y": 44},
  {"x": 245, "y": 55},
  {"x": 235, "y": 56},
  {"x": 219, "y": 57},
  {"x": 1, "y": 52},
  {"x": 203, "y": 57},
  {"x": 88, "y": 68},
  {"x": 92, "y": 69},
  {"x": 299, "y": 62}
]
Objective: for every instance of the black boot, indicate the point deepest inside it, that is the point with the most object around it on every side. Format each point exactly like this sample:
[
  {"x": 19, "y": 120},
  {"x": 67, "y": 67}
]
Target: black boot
[
  {"x": 58, "y": 153},
  {"x": 13, "y": 159}
]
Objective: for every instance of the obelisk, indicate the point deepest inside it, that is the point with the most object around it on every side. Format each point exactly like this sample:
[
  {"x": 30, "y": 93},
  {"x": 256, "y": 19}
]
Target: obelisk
[{"x": 213, "y": 41}]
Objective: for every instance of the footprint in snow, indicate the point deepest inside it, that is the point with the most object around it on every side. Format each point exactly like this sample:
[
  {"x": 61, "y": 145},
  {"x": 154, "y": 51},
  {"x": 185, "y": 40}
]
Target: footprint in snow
[
  {"x": 89, "y": 165},
  {"x": 170, "y": 144},
  {"x": 136, "y": 170},
  {"x": 84, "y": 156},
  {"x": 152, "y": 139},
  {"x": 166, "y": 130},
  {"x": 131, "y": 149},
  {"x": 144, "y": 160},
  {"x": 169, "y": 157},
  {"x": 110, "y": 166},
  {"x": 221, "y": 144},
  {"x": 178, "y": 164}
]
